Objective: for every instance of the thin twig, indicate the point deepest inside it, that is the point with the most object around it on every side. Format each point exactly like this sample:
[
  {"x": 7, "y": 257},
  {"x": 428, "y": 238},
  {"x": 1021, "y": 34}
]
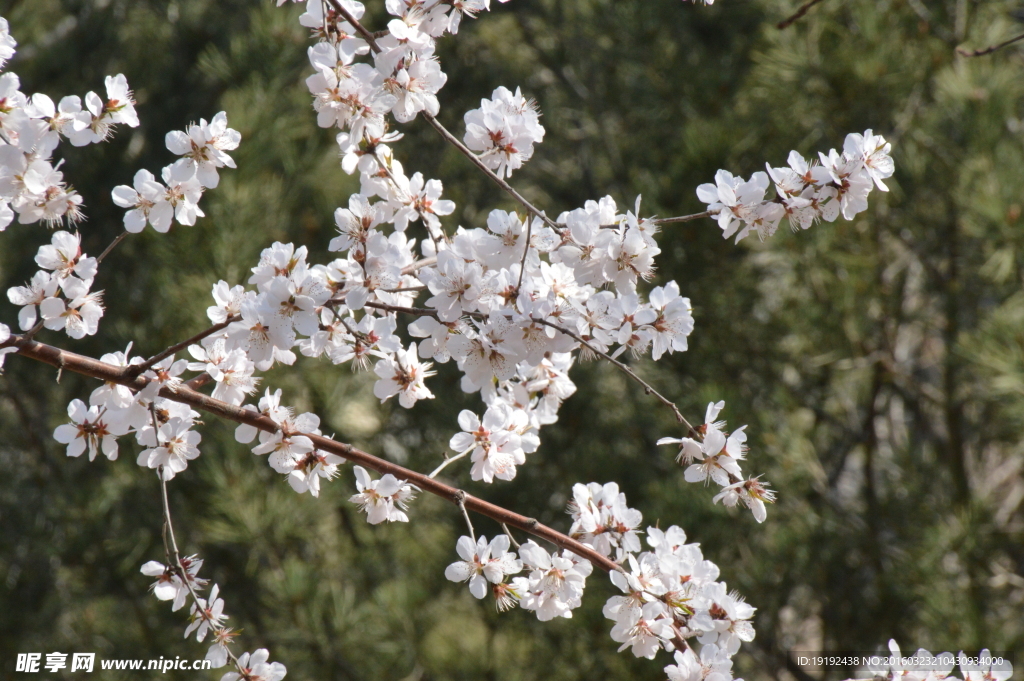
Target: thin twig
[
  {"x": 988, "y": 50},
  {"x": 407, "y": 289},
  {"x": 658, "y": 221},
  {"x": 626, "y": 370},
  {"x": 460, "y": 500},
  {"x": 786, "y": 23},
  {"x": 447, "y": 461},
  {"x": 120, "y": 237},
  {"x": 508, "y": 533},
  {"x": 526, "y": 252}
]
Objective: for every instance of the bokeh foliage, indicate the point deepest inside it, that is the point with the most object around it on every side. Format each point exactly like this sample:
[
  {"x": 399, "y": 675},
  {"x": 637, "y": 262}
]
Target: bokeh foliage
[{"x": 879, "y": 363}]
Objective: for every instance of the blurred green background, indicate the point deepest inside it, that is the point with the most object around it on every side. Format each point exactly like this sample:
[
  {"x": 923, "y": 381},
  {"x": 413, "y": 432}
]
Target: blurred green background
[{"x": 878, "y": 362}]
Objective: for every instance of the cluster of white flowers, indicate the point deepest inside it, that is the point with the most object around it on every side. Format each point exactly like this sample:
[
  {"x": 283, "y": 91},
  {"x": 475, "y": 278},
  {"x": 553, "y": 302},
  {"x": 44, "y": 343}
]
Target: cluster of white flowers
[
  {"x": 505, "y": 309},
  {"x": 496, "y": 441},
  {"x": 404, "y": 78},
  {"x": 385, "y": 499},
  {"x": 206, "y": 616},
  {"x": 671, "y": 592},
  {"x": 671, "y": 596},
  {"x": 805, "y": 191},
  {"x": 60, "y": 291},
  {"x": 31, "y": 186},
  {"x": 503, "y": 130},
  {"x": 504, "y": 302},
  {"x": 716, "y": 456},
  {"x": 31, "y": 129},
  {"x": 163, "y": 427},
  {"x": 290, "y": 452},
  {"x": 553, "y": 587},
  {"x": 672, "y": 599},
  {"x": 202, "y": 149},
  {"x": 509, "y": 303},
  {"x": 601, "y": 519}
]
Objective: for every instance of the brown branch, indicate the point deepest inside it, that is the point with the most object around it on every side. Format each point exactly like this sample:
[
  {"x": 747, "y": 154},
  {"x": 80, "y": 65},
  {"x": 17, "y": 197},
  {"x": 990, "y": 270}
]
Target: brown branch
[
  {"x": 197, "y": 382},
  {"x": 88, "y": 366},
  {"x": 786, "y": 23},
  {"x": 988, "y": 50}
]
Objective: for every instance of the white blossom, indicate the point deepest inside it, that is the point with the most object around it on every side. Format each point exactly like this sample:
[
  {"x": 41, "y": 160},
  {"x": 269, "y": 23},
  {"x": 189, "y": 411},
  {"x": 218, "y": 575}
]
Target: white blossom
[
  {"x": 382, "y": 499},
  {"x": 503, "y": 130},
  {"x": 89, "y": 429},
  {"x": 602, "y": 519},
  {"x": 495, "y": 442},
  {"x": 555, "y": 584},
  {"x": 78, "y": 317},
  {"x": 403, "y": 374},
  {"x": 42, "y": 286},
  {"x": 147, "y": 201},
  {"x": 171, "y": 448},
  {"x": 203, "y": 148},
  {"x": 169, "y": 585},
  {"x": 229, "y": 302},
  {"x": 7, "y": 42},
  {"x": 207, "y": 614},
  {"x": 483, "y": 563}
]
